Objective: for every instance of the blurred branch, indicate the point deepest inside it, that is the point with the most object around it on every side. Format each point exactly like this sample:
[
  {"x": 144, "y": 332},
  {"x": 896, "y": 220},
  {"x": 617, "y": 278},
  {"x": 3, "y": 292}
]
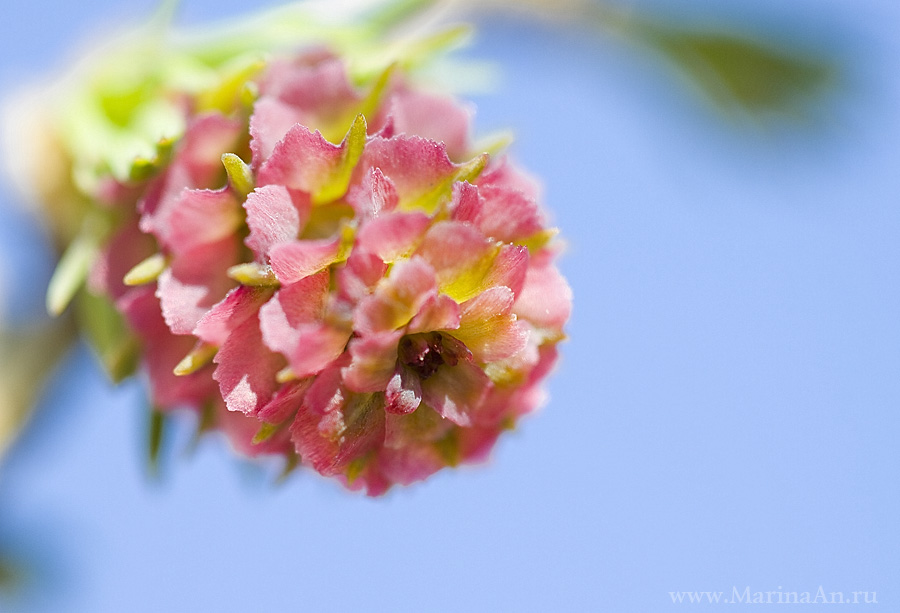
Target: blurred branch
[{"x": 732, "y": 69}]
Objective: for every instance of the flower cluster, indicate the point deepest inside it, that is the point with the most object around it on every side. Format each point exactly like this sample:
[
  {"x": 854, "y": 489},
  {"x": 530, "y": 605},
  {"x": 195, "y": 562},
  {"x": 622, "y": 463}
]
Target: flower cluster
[{"x": 329, "y": 273}]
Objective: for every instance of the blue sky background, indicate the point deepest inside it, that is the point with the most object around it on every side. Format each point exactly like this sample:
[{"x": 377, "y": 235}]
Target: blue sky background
[{"x": 725, "y": 414}]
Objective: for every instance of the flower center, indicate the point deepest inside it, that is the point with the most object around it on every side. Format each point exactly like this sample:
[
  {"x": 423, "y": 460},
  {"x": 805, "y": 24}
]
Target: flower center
[{"x": 425, "y": 353}]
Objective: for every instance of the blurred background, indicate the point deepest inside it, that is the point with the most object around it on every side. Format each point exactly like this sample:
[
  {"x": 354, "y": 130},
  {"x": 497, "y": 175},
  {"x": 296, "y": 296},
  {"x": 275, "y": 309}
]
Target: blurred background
[{"x": 725, "y": 414}]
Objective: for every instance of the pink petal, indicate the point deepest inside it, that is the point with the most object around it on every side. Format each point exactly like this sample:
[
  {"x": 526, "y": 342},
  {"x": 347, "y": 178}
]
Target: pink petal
[
  {"x": 494, "y": 302},
  {"x": 207, "y": 137},
  {"x": 194, "y": 282},
  {"x": 246, "y": 369},
  {"x": 285, "y": 402},
  {"x": 302, "y": 160},
  {"x": 292, "y": 324},
  {"x": 386, "y": 127},
  {"x": 456, "y": 392},
  {"x": 410, "y": 463},
  {"x": 374, "y": 195},
  {"x": 437, "y": 118},
  {"x": 359, "y": 275},
  {"x": 397, "y": 298},
  {"x": 329, "y": 443},
  {"x": 391, "y": 236},
  {"x": 270, "y": 121},
  {"x": 373, "y": 361},
  {"x": 326, "y": 393},
  {"x": 509, "y": 268},
  {"x": 199, "y": 217},
  {"x": 127, "y": 248},
  {"x": 488, "y": 328},
  {"x": 315, "y": 83},
  {"x": 404, "y": 392},
  {"x": 460, "y": 256},
  {"x": 156, "y": 198},
  {"x": 548, "y": 356},
  {"x": 179, "y": 223},
  {"x": 319, "y": 345},
  {"x": 508, "y": 215},
  {"x": 475, "y": 443},
  {"x": 466, "y": 202},
  {"x": 414, "y": 165},
  {"x": 318, "y": 452},
  {"x": 238, "y": 305},
  {"x": 505, "y": 402},
  {"x": 372, "y": 479},
  {"x": 282, "y": 316},
  {"x": 298, "y": 303},
  {"x": 140, "y": 308},
  {"x": 111, "y": 193},
  {"x": 453, "y": 245},
  {"x": 295, "y": 260},
  {"x": 505, "y": 175},
  {"x": 197, "y": 164},
  {"x": 546, "y": 299},
  {"x": 240, "y": 429},
  {"x": 274, "y": 216},
  {"x": 162, "y": 351},
  {"x": 439, "y": 312}
]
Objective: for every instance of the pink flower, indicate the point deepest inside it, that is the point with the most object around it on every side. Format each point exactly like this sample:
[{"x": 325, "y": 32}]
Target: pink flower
[{"x": 362, "y": 291}]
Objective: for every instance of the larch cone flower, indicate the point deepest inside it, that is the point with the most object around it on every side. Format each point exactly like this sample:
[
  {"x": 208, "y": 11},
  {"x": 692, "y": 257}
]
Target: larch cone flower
[{"x": 329, "y": 271}]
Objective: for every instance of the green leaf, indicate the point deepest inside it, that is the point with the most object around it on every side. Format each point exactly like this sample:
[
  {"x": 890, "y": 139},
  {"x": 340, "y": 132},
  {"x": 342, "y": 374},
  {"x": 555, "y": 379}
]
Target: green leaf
[
  {"x": 156, "y": 431},
  {"x": 732, "y": 68},
  {"x": 448, "y": 448},
  {"x": 408, "y": 53},
  {"x": 201, "y": 355},
  {"x": 206, "y": 423},
  {"x": 336, "y": 185},
  {"x": 29, "y": 356},
  {"x": 230, "y": 91},
  {"x": 70, "y": 273},
  {"x": 736, "y": 71},
  {"x": 142, "y": 168},
  {"x": 147, "y": 271},
  {"x": 265, "y": 432},
  {"x": 12, "y": 575},
  {"x": 239, "y": 174},
  {"x": 108, "y": 334},
  {"x": 254, "y": 275},
  {"x": 72, "y": 270},
  {"x": 292, "y": 462},
  {"x": 356, "y": 467},
  {"x": 373, "y": 99}
]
